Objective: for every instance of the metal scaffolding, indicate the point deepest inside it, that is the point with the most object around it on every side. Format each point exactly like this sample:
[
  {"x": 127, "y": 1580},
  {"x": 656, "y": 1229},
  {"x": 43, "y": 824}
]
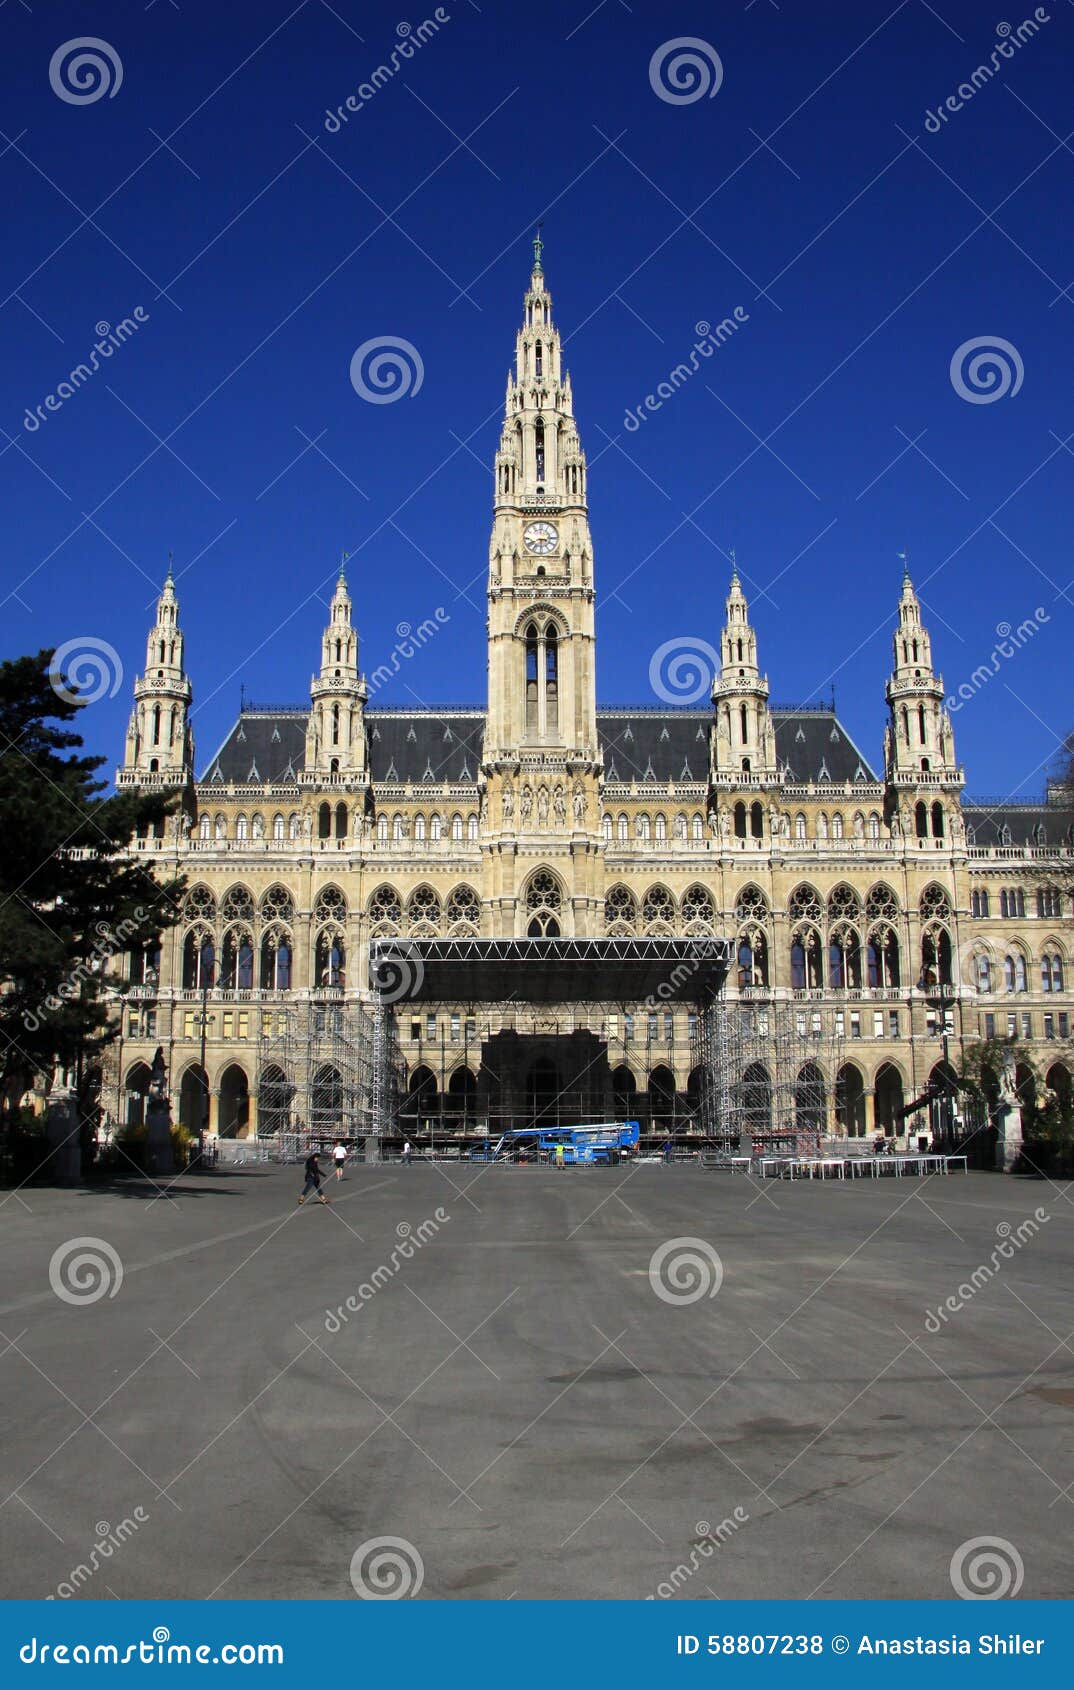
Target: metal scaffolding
[
  {"x": 326, "y": 1069},
  {"x": 774, "y": 1066}
]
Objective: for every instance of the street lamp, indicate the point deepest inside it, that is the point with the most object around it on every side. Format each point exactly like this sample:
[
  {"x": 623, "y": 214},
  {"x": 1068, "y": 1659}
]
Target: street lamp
[{"x": 203, "y": 1020}]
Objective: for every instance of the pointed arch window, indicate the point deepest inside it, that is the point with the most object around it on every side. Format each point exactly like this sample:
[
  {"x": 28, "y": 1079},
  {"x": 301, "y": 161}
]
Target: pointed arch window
[
  {"x": 551, "y": 669},
  {"x": 532, "y": 677}
]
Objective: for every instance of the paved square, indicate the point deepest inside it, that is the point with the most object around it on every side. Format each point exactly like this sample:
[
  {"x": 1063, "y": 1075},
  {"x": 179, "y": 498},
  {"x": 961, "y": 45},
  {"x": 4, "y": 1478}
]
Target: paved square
[{"x": 511, "y": 1396}]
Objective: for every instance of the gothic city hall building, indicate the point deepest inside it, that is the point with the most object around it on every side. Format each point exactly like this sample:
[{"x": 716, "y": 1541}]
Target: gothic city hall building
[{"x": 709, "y": 919}]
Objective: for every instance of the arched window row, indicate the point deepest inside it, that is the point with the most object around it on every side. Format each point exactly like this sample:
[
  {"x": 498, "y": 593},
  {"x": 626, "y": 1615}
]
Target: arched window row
[
  {"x": 836, "y": 827},
  {"x": 429, "y": 829},
  {"x": 651, "y": 828},
  {"x": 425, "y": 914},
  {"x": 278, "y": 827}
]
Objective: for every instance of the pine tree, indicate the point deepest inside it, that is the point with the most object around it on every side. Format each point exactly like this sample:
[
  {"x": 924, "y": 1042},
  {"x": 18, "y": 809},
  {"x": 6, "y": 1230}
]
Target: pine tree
[{"x": 71, "y": 895}]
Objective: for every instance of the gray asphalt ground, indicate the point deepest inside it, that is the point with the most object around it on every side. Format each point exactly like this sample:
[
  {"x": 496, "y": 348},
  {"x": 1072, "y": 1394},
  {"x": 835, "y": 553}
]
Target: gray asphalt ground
[{"x": 519, "y": 1404}]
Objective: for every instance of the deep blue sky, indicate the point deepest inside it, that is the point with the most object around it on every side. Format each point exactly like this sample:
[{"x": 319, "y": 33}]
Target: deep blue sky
[{"x": 280, "y": 257}]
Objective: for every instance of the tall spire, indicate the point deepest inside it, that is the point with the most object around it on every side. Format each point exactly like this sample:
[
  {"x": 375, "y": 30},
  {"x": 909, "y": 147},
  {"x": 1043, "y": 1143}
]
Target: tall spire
[
  {"x": 538, "y": 249},
  {"x": 335, "y": 735},
  {"x": 160, "y": 743}
]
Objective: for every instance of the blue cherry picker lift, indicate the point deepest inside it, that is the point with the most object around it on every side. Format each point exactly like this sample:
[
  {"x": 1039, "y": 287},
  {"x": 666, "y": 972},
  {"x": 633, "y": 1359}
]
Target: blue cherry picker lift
[{"x": 589, "y": 1145}]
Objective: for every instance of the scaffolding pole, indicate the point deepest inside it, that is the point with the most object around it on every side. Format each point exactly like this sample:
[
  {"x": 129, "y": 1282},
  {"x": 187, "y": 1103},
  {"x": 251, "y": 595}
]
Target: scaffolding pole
[{"x": 327, "y": 1068}]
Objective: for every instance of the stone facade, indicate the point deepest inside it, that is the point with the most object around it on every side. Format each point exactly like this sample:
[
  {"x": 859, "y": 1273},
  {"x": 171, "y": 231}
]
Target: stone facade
[{"x": 885, "y": 902}]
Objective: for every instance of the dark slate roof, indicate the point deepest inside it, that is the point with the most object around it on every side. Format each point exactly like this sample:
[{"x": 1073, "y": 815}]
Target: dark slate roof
[
  {"x": 268, "y": 745},
  {"x": 1008, "y": 822},
  {"x": 814, "y": 745},
  {"x": 264, "y": 745},
  {"x": 425, "y": 745},
  {"x": 658, "y": 745}
]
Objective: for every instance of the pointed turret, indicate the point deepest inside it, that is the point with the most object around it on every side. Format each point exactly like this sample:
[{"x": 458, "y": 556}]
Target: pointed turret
[
  {"x": 745, "y": 741},
  {"x": 335, "y": 735},
  {"x": 919, "y": 746},
  {"x": 160, "y": 740}
]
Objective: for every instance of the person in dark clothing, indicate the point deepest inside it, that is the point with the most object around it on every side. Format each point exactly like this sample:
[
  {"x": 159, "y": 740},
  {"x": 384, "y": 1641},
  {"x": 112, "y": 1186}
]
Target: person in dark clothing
[{"x": 313, "y": 1179}]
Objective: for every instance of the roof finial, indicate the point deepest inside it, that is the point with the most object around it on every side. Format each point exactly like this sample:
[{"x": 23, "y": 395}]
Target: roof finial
[
  {"x": 734, "y": 568},
  {"x": 538, "y": 248},
  {"x": 169, "y": 580},
  {"x": 904, "y": 559},
  {"x": 343, "y": 556}
]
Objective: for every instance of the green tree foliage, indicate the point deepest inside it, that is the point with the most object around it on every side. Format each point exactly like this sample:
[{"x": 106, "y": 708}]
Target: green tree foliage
[{"x": 71, "y": 895}]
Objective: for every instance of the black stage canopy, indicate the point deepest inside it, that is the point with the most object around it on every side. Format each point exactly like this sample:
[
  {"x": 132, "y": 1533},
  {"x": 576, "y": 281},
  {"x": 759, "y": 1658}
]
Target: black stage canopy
[{"x": 501, "y": 971}]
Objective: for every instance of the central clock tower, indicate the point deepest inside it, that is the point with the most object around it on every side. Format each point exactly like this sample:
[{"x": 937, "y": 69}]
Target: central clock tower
[{"x": 541, "y": 756}]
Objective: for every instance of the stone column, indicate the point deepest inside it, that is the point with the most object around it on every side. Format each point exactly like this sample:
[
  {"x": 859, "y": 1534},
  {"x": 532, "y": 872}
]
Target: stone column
[{"x": 1009, "y": 1136}]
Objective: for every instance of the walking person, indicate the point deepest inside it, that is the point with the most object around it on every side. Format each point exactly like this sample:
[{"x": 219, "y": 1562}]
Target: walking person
[
  {"x": 339, "y": 1156},
  {"x": 313, "y": 1179},
  {"x": 408, "y": 1151}
]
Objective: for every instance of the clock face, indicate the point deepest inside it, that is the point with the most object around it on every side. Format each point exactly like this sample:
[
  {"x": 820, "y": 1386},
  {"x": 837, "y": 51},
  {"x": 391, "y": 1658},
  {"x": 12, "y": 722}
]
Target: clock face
[{"x": 541, "y": 538}]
